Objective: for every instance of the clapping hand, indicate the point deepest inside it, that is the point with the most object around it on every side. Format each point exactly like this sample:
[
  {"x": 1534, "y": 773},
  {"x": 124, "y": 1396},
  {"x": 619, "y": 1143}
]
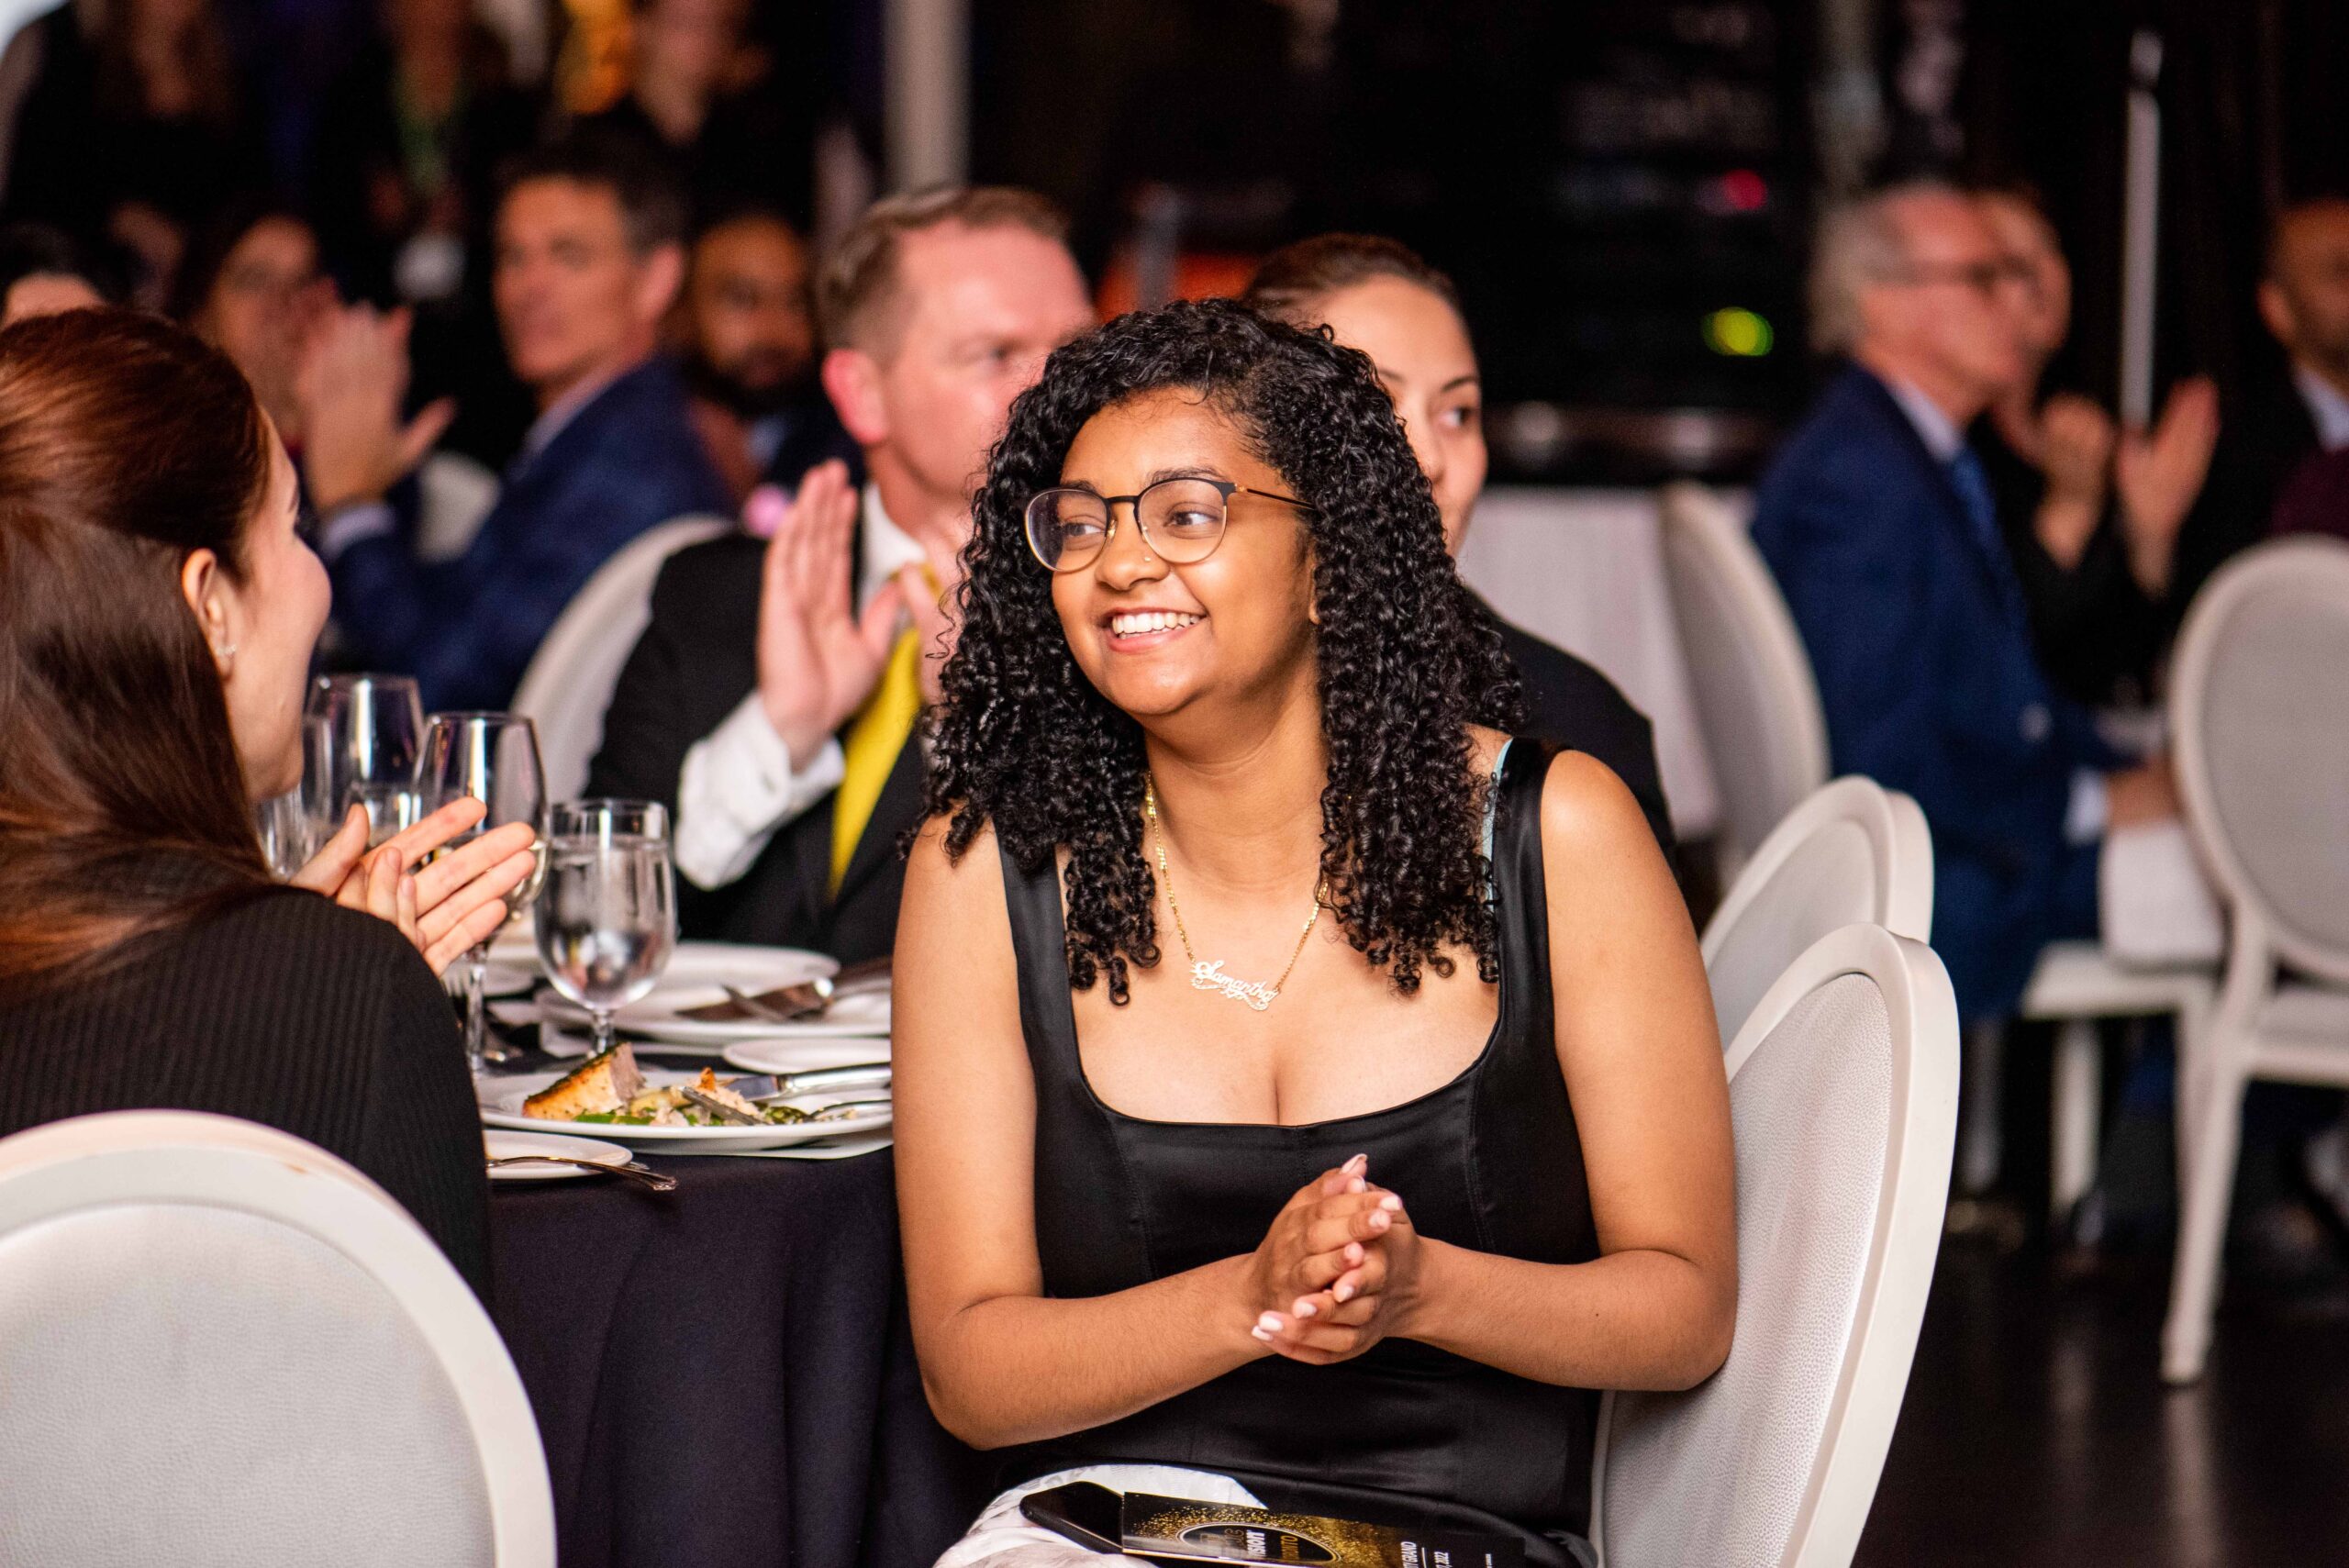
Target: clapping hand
[
  {"x": 447, "y": 908},
  {"x": 1331, "y": 1274},
  {"x": 818, "y": 659},
  {"x": 2160, "y": 473},
  {"x": 352, "y": 383},
  {"x": 2075, "y": 440}
]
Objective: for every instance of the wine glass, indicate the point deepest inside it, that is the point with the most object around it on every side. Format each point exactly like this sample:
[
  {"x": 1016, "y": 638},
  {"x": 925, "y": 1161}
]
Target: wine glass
[
  {"x": 372, "y": 749},
  {"x": 293, "y": 826},
  {"x": 492, "y": 757},
  {"x": 607, "y": 921}
]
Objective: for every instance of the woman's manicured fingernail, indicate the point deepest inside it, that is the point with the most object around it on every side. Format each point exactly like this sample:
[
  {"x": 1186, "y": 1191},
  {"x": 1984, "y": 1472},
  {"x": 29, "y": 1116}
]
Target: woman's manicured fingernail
[
  {"x": 1357, "y": 1165},
  {"x": 1270, "y": 1323},
  {"x": 1380, "y": 1219},
  {"x": 1305, "y": 1309},
  {"x": 1391, "y": 1203},
  {"x": 1357, "y": 1185},
  {"x": 1354, "y": 1252},
  {"x": 1259, "y": 1333},
  {"x": 1343, "y": 1294}
]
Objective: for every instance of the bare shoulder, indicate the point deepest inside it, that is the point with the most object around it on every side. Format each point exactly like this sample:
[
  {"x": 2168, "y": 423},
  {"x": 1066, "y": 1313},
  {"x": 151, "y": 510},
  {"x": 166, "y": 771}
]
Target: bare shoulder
[
  {"x": 952, "y": 919},
  {"x": 1593, "y": 824}
]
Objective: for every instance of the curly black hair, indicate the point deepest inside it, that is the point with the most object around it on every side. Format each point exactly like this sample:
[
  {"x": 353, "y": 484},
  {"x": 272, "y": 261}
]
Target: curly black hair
[{"x": 1408, "y": 658}]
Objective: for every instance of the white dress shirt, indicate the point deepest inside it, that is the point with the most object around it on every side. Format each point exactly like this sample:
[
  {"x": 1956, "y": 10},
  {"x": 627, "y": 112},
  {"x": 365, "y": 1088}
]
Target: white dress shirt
[
  {"x": 2328, "y": 406},
  {"x": 740, "y": 786}
]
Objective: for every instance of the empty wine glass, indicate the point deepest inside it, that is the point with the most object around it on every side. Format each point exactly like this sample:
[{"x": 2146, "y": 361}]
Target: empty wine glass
[
  {"x": 492, "y": 757},
  {"x": 607, "y": 921},
  {"x": 293, "y": 826},
  {"x": 373, "y": 747}
]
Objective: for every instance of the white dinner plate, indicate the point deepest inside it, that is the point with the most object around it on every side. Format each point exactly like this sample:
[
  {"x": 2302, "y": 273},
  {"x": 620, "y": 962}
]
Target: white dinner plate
[
  {"x": 696, "y": 975},
  {"x": 502, "y": 1097},
  {"x": 502, "y": 1145},
  {"x": 797, "y": 1054}
]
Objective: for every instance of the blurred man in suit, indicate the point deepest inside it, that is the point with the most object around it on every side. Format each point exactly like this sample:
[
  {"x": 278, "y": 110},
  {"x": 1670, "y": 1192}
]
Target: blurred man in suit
[
  {"x": 589, "y": 259},
  {"x": 1879, "y": 525},
  {"x": 2304, "y": 300},
  {"x": 745, "y": 330},
  {"x": 774, "y": 697}
]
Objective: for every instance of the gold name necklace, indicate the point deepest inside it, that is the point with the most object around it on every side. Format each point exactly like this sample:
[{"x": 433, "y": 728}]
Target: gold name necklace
[{"x": 1208, "y": 976}]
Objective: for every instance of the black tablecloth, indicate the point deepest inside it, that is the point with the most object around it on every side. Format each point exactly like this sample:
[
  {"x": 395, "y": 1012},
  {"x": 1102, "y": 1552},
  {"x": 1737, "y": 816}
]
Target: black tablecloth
[{"x": 723, "y": 1374}]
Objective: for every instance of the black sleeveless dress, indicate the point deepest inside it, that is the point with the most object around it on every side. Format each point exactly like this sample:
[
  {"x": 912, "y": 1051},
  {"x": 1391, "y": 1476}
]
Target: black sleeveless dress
[{"x": 1490, "y": 1161}]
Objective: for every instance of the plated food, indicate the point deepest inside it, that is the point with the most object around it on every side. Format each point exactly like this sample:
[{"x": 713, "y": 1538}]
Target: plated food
[
  {"x": 611, "y": 1090},
  {"x": 649, "y": 1108}
]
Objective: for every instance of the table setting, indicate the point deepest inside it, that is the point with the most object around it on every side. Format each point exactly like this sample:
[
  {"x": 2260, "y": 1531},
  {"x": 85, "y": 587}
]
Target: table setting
[{"x": 699, "y": 1284}]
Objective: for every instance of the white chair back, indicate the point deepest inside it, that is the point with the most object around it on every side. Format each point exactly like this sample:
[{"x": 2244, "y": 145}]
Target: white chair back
[
  {"x": 1843, "y": 1093},
  {"x": 1755, "y": 697},
  {"x": 221, "y": 1346},
  {"x": 569, "y": 681},
  {"x": 2259, "y": 717},
  {"x": 1853, "y": 852}
]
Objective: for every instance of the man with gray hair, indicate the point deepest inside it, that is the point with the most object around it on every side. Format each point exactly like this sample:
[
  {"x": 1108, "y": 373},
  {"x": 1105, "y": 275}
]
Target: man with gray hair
[{"x": 1879, "y": 525}]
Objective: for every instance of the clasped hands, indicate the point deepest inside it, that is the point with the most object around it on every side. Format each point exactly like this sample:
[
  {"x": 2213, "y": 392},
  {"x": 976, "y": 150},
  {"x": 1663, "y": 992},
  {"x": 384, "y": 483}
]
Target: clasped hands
[
  {"x": 445, "y": 908},
  {"x": 1337, "y": 1272}
]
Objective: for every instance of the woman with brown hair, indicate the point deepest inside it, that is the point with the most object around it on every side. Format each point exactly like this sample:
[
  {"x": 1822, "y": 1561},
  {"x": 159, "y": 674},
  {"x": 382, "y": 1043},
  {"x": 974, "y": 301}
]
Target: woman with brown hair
[
  {"x": 1380, "y": 296},
  {"x": 157, "y": 613}
]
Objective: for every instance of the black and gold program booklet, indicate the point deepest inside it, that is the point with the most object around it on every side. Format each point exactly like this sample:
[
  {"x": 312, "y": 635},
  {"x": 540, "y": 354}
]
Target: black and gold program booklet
[{"x": 1174, "y": 1529}]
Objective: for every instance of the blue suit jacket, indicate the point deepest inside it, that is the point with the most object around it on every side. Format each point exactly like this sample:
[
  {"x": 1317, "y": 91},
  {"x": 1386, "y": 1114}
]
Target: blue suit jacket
[
  {"x": 466, "y": 629},
  {"x": 1930, "y": 685}
]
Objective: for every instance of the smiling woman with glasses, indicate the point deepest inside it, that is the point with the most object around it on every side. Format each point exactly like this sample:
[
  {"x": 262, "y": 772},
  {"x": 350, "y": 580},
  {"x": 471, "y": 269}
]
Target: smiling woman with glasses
[{"x": 1306, "y": 1094}]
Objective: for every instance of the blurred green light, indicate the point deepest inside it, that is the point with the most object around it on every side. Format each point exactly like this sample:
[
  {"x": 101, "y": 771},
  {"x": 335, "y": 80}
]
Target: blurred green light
[{"x": 1739, "y": 333}]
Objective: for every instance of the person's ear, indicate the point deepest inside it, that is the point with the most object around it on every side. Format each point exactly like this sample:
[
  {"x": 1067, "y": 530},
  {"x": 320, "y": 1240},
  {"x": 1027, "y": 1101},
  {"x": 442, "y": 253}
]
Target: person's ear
[
  {"x": 852, "y": 380},
  {"x": 660, "y": 279},
  {"x": 204, "y": 584}
]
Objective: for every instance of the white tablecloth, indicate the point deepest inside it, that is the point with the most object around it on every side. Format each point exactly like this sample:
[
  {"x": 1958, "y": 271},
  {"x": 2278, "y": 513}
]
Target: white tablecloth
[{"x": 1583, "y": 569}]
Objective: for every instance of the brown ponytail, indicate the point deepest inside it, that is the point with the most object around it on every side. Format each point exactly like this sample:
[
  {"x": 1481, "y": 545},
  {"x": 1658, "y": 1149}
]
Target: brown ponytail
[{"x": 125, "y": 445}]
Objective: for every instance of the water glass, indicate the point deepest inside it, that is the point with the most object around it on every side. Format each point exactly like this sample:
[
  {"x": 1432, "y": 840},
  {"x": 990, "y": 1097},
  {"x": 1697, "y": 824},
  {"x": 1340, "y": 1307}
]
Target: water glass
[
  {"x": 371, "y": 750},
  {"x": 493, "y": 758},
  {"x": 607, "y": 920}
]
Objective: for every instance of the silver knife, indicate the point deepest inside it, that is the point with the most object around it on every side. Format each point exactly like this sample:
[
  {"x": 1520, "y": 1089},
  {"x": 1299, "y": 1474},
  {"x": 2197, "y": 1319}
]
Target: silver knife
[{"x": 816, "y": 1081}]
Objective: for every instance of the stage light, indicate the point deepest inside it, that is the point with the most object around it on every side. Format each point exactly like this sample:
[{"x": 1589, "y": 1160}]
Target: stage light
[
  {"x": 1738, "y": 333},
  {"x": 1742, "y": 190}
]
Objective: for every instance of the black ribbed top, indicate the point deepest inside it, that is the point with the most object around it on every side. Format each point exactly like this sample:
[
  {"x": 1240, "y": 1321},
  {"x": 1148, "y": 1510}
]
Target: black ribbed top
[{"x": 288, "y": 1010}]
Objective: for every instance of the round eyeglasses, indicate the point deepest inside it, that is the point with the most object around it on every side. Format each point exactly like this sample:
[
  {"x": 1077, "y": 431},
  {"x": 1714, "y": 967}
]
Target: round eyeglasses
[{"x": 1182, "y": 520}]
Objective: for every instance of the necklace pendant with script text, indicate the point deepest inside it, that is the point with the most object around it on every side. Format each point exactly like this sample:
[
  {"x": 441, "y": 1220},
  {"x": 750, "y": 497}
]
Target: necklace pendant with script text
[{"x": 1209, "y": 976}]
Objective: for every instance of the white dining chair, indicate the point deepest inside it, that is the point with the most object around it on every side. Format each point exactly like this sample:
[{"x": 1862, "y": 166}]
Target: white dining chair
[
  {"x": 1843, "y": 1094},
  {"x": 571, "y": 678},
  {"x": 1855, "y": 851},
  {"x": 2259, "y": 717},
  {"x": 2075, "y": 984},
  {"x": 1756, "y": 701},
  {"x": 221, "y": 1346}
]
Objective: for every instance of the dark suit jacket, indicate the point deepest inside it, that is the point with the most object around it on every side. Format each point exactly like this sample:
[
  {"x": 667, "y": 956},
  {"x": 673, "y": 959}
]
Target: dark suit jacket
[
  {"x": 1929, "y": 685},
  {"x": 466, "y": 629},
  {"x": 1570, "y": 704},
  {"x": 696, "y": 662},
  {"x": 2261, "y": 444}
]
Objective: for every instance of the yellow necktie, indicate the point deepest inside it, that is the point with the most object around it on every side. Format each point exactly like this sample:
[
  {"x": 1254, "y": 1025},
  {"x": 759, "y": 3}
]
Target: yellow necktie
[{"x": 875, "y": 737}]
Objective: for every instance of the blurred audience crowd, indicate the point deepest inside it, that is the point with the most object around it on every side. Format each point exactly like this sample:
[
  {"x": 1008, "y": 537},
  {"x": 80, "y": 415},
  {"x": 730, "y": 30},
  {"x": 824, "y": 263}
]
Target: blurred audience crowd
[{"x": 506, "y": 321}]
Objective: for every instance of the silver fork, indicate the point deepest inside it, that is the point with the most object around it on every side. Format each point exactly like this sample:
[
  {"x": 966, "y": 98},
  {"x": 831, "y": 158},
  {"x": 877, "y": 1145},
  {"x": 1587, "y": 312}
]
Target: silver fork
[{"x": 653, "y": 1180}]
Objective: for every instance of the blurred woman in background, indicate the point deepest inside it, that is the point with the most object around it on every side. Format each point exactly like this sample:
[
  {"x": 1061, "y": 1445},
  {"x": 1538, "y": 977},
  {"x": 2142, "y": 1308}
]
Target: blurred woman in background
[
  {"x": 1378, "y": 295},
  {"x": 252, "y": 288},
  {"x": 157, "y": 612}
]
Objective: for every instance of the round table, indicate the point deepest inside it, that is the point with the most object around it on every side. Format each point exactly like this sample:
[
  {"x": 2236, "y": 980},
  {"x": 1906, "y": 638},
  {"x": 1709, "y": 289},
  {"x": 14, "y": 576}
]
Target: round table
[{"x": 723, "y": 1374}]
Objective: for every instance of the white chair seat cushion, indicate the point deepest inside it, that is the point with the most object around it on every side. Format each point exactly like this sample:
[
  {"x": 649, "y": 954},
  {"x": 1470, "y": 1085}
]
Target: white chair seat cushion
[
  {"x": 2313, "y": 1013},
  {"x": 2080, "y": 980},
  {"x": 251, "y": 1394}
]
